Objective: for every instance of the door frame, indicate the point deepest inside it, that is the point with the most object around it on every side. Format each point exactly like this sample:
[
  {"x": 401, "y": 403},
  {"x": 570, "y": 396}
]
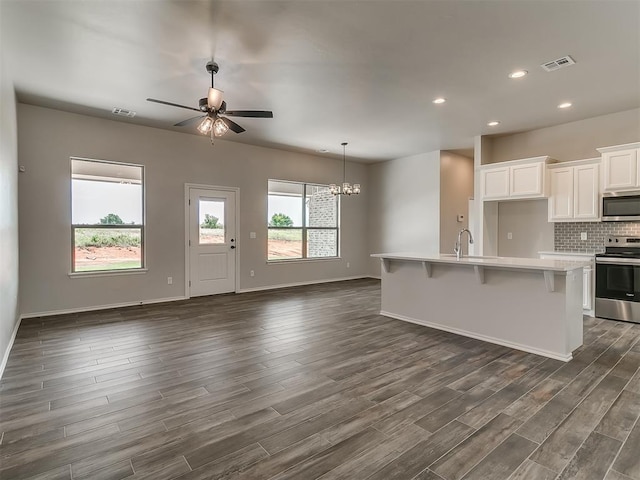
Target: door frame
[{"x": 187, "y": 261}]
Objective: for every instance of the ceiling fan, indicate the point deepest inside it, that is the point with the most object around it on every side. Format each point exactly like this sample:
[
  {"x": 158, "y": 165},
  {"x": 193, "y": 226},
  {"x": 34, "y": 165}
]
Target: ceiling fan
[{"x": 213, "y": 107}]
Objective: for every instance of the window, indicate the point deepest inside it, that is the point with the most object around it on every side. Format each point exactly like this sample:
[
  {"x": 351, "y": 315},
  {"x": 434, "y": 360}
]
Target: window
[
  {"x": 302, "y": 221},
  {"x": 107, "y": 216}
]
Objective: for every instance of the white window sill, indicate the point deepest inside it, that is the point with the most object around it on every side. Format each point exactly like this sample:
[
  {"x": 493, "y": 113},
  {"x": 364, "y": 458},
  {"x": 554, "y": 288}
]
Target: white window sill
[
  {"x": 108, "y": 273},
  {"x": 303, "y": 260}
]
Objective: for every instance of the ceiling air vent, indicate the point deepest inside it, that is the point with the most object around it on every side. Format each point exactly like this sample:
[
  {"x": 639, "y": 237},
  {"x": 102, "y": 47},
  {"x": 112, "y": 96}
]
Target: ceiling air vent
[
  {"x": 557, "y": 64},
  {"x": 123, "y": 112}
]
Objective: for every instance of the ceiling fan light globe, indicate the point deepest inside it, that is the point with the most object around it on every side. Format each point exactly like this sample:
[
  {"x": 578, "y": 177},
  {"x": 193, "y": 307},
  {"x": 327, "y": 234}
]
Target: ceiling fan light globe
[
  {"x": 220, "y": 127},
  {"x": 214, "y": 99},
  {"x": 205, "y": 125}
]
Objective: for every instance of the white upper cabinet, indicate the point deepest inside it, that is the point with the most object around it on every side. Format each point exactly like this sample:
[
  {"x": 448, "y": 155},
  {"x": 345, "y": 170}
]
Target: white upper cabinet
[
  {"x": 527, "y": 180},
  {"x": 574, "y": 191},
  {"x": 495, "y": 183},
  {"x": 586, "y": 192},
  {"x": 561, "y": 198},
  {"x": 514, "y": 180},
  {"x": 620, "y": 167}
]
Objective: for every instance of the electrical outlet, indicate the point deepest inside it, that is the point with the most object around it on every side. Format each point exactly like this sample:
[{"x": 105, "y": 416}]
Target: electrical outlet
[
  {"x": 583, "y": 235},
  {"x": 509, "y": 236},
  {"x": 169, "y": 280},
  {"x": 252, "y": 273}
]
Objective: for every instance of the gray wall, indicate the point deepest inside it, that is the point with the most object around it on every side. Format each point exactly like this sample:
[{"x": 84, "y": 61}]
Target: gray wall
[
  {"x": 456, "y": 187},
  {"x": 568, "y": 141},
  {"x": 8, "y": 213},
  {"x": 47, "y": 138},
  {"x": 527, "y": 221},
  {"x": 404, "y": 206}
]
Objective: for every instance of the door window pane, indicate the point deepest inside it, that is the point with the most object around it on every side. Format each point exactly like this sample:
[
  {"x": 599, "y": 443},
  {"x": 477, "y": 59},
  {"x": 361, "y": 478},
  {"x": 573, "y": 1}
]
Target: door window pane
[
  {"x": 285, "y": 243},
  {"x": 212, "y": 221},
  {"x": 107, "y": 248}
]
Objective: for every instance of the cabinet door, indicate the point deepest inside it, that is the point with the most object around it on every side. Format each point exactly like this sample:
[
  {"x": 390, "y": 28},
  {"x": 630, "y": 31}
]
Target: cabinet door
[
  {"x": 526, "y": 180},
  {"x": 620, "y": 169},
  {"x": 561, "y": 198},
  {"x": 586, "y": 198},
  {"x": 495, "y": 183},
  {"x": 587, "y": 275}
]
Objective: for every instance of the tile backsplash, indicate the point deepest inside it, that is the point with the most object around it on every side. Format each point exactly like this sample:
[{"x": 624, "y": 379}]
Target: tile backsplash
[{"x": 567, "y": 235}]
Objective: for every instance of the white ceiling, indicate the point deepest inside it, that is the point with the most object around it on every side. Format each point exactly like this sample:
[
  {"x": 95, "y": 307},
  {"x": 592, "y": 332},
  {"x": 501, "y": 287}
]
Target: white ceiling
[{"x": 364, "y": 71}]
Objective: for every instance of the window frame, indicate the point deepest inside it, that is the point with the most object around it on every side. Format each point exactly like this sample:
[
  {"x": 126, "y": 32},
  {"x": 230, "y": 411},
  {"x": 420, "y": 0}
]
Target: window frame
[
  {"x": 116, "y": 271},
  {"x": 304, "y": 227}
]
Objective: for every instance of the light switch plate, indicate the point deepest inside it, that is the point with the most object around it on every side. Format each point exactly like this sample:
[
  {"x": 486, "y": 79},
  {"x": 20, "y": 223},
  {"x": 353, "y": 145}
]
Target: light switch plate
[
  {"x": 583, "y": 235},
  {"x": 252, "y": 234},
  {"x": 509, "y": 236}
]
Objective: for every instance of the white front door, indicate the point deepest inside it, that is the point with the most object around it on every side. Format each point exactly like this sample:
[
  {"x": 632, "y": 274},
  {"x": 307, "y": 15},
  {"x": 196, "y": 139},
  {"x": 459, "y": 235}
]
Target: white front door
[{"x": 212, "y": 241}]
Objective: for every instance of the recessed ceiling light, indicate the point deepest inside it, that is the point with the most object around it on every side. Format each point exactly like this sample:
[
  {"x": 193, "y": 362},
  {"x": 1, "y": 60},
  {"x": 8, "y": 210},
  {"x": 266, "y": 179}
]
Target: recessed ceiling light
[
  {"x": 439, "y": 100},
  {"x": 518, "y": 74},
  {"x": 493, "y": 124},
  {"x": 322, "y": 150},
  {"x": 565, "y": 105}
]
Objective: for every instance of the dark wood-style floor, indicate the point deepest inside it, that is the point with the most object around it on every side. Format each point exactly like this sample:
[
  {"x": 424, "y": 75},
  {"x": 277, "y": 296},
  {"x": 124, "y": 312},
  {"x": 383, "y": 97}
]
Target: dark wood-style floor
[{"x": 306, "y": 383}]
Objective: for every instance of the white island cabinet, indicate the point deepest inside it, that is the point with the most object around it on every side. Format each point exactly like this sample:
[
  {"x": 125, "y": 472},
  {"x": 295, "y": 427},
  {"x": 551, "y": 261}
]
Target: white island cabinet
[{"x": 524, "y": 303}]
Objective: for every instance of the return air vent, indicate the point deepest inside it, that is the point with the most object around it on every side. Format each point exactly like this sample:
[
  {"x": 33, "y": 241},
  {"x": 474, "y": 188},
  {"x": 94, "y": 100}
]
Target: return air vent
[
  {"x": 557, "y": 64},
  {"x": 123, "y": 112}
]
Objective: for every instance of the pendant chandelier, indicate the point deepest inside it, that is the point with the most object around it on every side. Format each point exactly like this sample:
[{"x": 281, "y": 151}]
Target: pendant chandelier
[{"x": 346, "y": 188}]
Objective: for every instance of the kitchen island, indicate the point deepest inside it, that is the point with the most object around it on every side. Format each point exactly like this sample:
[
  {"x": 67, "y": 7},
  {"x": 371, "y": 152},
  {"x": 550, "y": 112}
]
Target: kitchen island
[{"x": 524, "y": 303}]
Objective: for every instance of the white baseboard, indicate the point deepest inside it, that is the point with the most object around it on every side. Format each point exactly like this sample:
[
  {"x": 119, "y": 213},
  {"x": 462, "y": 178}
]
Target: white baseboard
[
  {"x": 5, "y": 357},
  {"x": 100, "y": 307},
  {"x": 299, "y": 284},
  {"x": 484, "y": 338}
]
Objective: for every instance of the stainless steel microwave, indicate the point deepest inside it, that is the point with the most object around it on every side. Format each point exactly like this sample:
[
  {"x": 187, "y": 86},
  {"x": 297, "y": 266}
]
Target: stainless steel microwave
[{"x": 621, "y": 207}]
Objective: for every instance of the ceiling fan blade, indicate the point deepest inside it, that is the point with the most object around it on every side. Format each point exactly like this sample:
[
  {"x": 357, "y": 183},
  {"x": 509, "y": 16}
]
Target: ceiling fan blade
[
  {"x": 250, "y": 113},
  {"x": 188, "y": 121},
  {"x": 233, "y": 126},
  {"x": 172, "y": 104}
]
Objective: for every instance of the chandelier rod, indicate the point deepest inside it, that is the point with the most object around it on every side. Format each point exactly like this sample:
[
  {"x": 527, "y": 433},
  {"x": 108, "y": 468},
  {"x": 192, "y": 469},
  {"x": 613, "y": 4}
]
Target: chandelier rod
[{"x": 344, "y": 163}]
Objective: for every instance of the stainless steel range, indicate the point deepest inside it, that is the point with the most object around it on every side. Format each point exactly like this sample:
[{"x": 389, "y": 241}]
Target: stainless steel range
[{"x": 618, "y": 280}]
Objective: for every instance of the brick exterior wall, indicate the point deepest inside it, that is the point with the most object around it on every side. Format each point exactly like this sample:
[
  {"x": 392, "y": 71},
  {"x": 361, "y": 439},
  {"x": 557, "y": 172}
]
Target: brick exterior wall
[
  {"x": 567, "y": 235},
  {"x": 323, "y": 212}
]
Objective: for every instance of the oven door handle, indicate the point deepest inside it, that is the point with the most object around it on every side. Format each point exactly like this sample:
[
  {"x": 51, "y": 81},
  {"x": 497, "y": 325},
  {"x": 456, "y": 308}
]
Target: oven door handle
[{"x": 619, "y": 261}]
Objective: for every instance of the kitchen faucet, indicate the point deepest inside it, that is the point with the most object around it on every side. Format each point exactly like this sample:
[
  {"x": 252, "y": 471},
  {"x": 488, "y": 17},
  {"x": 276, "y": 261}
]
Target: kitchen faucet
[{"x": 457, "y": 248}]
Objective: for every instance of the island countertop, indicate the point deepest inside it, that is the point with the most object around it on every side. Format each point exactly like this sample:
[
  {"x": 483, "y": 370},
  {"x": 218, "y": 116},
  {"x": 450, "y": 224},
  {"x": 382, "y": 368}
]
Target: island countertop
[{"x": 497, "y": 262}]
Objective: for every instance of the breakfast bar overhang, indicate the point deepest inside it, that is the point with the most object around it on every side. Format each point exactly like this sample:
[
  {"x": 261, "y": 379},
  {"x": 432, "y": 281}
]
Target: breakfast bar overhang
[{"x": 528, "y": 304}]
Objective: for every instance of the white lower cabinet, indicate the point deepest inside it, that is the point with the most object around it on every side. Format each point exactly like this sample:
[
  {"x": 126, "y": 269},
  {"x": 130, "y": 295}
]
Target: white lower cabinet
[
  {"x": 587, "y": 288},
  {"x": 588, "y": 274}
]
